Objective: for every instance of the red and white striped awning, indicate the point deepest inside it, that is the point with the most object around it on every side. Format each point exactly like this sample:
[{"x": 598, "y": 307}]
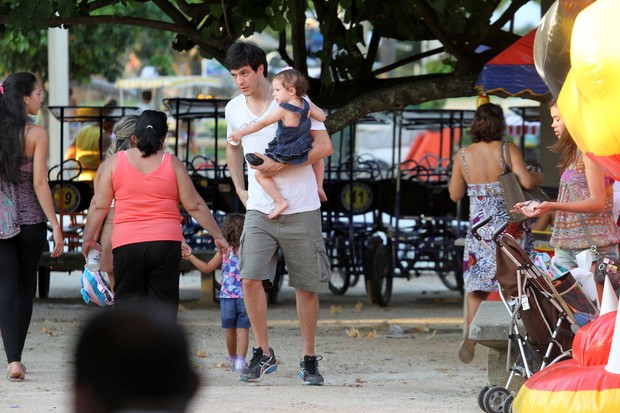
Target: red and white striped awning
[
  {"x": 527, "y": 128},
  {"x": 516, "y": 126}
]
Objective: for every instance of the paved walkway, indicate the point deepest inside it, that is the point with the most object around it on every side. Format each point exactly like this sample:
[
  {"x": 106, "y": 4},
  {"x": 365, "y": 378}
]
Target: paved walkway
[{"x": 394, "y": 359}]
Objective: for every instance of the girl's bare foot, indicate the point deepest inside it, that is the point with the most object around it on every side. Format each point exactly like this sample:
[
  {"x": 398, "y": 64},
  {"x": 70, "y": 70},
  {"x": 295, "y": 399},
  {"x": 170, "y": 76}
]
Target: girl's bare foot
[
  {"x": 322, "y": 195},
  {"x": 277, "y": 210}
]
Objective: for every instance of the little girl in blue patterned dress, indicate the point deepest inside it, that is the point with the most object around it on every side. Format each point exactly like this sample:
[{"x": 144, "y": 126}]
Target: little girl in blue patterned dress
[
  {"x": 234, "y": 316},
  {"x": 292, "y": 141}
]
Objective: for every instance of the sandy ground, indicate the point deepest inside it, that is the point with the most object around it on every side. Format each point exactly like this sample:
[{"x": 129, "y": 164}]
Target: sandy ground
[{"x": 367, "y": 368}]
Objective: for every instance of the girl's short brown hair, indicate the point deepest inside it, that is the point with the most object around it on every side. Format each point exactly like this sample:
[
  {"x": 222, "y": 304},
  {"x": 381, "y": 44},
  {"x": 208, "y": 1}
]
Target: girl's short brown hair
[
  {"x": 293, "y": 78},
  {"x": 232, "y": 229}
]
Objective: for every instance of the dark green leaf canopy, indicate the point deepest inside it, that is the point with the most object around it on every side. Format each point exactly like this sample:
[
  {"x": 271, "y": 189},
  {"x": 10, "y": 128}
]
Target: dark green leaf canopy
[{"x": 353, "y": 75}]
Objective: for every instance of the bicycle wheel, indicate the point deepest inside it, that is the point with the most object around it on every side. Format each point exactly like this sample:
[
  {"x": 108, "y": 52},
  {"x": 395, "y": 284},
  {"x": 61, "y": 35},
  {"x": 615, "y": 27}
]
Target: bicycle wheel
[
  {"x": 379, "y": 284},
  {"x": 450, "y": 269},
  {"x": 341, "y": 266}
]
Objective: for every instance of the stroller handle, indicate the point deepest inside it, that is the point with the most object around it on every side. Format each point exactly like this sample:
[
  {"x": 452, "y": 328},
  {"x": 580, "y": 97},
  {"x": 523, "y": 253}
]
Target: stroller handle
[
  {"x": 479, "y": 225},
  {"x": 499, "y": 231}
]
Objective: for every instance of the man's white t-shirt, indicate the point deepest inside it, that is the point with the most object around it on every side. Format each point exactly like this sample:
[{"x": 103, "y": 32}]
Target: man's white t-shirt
[
  {"x": 142, "y": 107},
  {"x": 296, "y": 184}
]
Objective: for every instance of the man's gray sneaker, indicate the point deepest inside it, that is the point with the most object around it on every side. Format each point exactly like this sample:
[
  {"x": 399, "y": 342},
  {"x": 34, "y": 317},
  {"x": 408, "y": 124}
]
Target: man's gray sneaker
[
  {"x": 309, "y": 371},
  {"x": 259, "y": 365}
]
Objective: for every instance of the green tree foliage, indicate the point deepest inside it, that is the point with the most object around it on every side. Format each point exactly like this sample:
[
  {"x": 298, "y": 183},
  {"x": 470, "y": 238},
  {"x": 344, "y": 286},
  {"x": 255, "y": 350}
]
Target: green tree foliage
[
  {"x": 96, "y": 50},
  {"x": 352, "y": 30},
  {"x": 93, "y": 49}
]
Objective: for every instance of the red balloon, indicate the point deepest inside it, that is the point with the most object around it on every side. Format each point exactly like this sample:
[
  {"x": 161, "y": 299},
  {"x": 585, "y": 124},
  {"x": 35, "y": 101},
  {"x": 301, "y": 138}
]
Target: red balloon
[
  {"x": 578, "y": 385},
  {"x": 592, "y": 342}
]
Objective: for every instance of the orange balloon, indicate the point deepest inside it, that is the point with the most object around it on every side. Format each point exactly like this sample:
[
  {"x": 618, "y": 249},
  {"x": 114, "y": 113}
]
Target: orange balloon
[
  {"x": 581, "y": 384},
  {"x": 592, "y": 342}
]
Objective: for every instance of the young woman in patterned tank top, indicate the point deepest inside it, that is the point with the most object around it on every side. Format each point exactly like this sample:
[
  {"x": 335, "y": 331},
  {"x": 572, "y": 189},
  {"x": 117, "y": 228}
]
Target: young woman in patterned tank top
[
  {"x": 23, "y": 175},
  {"x": 583, "y": 210}
]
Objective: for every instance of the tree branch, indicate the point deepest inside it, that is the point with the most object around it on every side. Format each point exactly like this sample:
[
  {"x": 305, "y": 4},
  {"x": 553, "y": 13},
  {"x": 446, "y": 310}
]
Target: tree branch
[
  {"x": 298, "y": 34},
  {"x": 282, "y": 48},
  {"x": 405, "y": 92},
  {"x": 408, "y": 60},
  {"x": 433, "y": 25},
  {"x": 371, "y": 55},
  {"x": 125, "y": 20},
  {"x": 508, "y": 14},
  {"x": 171, "y": 11}
]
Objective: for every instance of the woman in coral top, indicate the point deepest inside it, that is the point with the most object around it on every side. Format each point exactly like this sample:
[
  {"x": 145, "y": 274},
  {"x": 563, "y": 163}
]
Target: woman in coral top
[{"x": 147, "y": 185}]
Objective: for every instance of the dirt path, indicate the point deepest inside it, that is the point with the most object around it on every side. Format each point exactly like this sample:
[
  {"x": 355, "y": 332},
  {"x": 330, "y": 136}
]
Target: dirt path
[{"x": 367, "y": 367}]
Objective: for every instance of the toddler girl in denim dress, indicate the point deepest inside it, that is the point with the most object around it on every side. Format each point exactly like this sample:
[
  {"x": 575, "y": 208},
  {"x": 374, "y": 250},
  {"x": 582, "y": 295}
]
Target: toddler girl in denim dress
[{"x": 292, "y": 141}]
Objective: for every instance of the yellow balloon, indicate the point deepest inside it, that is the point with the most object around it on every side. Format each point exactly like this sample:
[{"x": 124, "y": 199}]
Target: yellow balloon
[
  {"x": 590, "y": 97},
  {"x": 568, "y": 103}
]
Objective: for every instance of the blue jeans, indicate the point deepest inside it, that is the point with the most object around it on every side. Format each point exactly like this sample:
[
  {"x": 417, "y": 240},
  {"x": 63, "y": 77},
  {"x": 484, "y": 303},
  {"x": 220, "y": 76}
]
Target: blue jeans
[{"x": 234, "y": 314}]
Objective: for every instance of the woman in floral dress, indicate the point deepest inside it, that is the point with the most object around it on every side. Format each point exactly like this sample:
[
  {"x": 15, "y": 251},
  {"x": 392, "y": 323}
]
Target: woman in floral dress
[{"x": 475, "y": 171}]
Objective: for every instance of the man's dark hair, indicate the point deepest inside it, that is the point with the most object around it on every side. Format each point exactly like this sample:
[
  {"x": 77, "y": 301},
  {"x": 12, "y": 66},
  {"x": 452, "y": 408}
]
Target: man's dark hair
[
  {"x": 147, "y": 95},
  {"x": 242, "y": 53},
  {"x": 135, "y": 356}
]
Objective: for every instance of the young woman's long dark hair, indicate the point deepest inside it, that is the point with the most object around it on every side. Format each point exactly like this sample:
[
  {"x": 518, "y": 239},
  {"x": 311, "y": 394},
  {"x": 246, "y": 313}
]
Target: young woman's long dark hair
[{"x": 13, "y": 121}]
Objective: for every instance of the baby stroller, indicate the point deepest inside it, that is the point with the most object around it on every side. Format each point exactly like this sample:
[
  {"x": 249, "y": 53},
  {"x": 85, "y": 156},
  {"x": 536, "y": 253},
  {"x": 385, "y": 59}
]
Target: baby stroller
[{"x": 549, "y": 310}]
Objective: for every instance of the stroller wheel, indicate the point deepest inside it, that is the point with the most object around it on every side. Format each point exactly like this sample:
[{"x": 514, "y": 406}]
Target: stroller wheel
[
  {"x": 494, "y": 398},
  {"x": 483, "y": 391},
  {"x": 507, "y": 406}
]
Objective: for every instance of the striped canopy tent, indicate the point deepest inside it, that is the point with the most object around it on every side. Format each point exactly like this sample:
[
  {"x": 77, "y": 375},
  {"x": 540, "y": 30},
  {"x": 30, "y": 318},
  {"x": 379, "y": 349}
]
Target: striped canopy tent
[
  {"x": 167, "y": 81},
  {"x": 523, "y": 120},
  {"x": 525, "y": 131},
  {"x": 156, "y": 83},
  {"x": 520, "y": 127},
  {"x": 513, "y": 73}
]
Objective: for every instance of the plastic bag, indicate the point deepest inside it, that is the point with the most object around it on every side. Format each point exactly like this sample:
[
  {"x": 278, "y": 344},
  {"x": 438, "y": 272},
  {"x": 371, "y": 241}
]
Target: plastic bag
[
  {"x": 584, "y": 276},
  {"x": 549, "y": 265},
  {"x": 95, "y": 289}
]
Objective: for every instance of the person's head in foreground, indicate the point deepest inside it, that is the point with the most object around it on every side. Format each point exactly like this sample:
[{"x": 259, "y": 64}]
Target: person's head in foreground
[{"x": 134, "y": 358}]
